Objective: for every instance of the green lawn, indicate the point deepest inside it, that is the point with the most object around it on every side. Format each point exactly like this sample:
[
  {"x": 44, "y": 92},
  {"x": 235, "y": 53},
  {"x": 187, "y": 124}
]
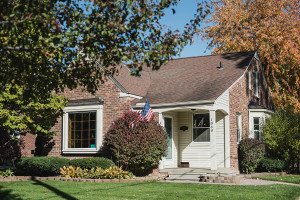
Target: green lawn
[
  {"x": 141, "y": 190},
  {"x": 286, "y": 178}
]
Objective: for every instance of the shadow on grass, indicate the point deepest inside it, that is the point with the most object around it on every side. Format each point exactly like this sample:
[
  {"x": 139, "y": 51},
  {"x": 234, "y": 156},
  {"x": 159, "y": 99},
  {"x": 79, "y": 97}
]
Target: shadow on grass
[
  {"x": 6, "y": 194},
  {"x": 55, "y": 190}
]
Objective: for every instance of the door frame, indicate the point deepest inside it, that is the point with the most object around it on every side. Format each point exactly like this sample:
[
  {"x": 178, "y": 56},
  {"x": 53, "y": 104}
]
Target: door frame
[{"x": 170, "y": 163}]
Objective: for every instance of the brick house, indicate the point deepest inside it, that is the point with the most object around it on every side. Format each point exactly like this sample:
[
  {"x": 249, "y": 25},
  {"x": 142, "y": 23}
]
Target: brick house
[{"x": 207, "y": 105}]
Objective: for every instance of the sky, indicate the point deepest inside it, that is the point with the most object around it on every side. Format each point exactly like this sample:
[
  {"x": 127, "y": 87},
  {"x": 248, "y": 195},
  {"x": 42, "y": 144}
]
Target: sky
[{"x": 184, "y": 12}]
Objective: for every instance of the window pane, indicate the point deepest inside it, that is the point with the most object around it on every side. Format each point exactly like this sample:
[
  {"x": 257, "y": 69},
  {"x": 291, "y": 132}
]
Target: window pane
[
  {"x": 256, "y": 135},
  {"x": 256, "y": 120},
  {"x": 78, "y": 117},
  {"x": 93, "y": 116},
  {"x": 82, "y": 130},
  {"x": 168, "y": 128},
  {"x": 201, "y": 134},
  {"x": 201, "y": 120},
  {"x": 85, "y": 125},
  {"x": 85, "y": 116}
]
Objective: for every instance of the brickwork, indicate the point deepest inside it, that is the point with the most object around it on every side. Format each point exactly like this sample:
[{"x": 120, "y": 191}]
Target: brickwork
[
  {"x": 113, "y": 108},
  {"x": 29, "y": 142},
  {"x": 239, "y": 97}
]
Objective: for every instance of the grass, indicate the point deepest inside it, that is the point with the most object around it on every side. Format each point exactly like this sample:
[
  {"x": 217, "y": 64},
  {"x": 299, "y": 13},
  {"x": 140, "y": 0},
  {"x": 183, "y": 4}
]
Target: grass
[
  {"x": 141, "y": 190},
  {"x": 286, "y": 178}
]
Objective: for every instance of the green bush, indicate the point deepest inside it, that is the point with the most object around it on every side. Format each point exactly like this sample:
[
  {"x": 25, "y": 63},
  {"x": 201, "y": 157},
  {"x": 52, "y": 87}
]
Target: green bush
[
  {"x": 89, "y": 163},
  {"x": 270, "y": 165},
  {"x": 282, "y": 137},
  {"x": 40, "y": 166},
  {"x": 138, "y": 149},
  {"x": 250, "y": 152}
]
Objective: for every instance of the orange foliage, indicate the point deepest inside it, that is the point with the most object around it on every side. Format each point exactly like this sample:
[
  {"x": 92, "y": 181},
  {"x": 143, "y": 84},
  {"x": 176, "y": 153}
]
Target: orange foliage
[{"x": 272, "y": 27}]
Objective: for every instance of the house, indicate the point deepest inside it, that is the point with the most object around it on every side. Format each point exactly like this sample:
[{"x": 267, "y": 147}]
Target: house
[{"x": 207, "y": 104}]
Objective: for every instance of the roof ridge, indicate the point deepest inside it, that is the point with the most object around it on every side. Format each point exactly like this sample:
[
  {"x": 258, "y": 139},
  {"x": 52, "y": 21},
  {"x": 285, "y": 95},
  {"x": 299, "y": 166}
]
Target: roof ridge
[{"x": 213, "y": 55}]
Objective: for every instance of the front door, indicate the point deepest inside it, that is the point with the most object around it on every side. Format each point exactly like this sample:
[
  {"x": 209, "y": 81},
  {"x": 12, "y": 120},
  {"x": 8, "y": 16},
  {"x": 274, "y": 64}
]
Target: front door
[{"x": 168, "y": 160}]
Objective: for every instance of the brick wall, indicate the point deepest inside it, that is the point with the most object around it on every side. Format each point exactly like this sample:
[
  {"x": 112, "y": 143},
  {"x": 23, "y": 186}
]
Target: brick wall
[
  {"x": 239, "y": 97},
  {"x": 113, "y": 108}
]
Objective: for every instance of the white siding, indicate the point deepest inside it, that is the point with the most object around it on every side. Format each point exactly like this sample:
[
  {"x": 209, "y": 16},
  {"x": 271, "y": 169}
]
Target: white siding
[
  {"x": 196, "y": 153},
  {"x": 223, "y": 102},
  {"x": 220, "y": 133}
]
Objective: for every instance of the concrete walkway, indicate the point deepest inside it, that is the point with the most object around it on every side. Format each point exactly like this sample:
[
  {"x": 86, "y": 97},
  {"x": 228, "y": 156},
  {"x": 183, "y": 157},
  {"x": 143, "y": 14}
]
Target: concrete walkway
[{"x": 244, "y": 182}]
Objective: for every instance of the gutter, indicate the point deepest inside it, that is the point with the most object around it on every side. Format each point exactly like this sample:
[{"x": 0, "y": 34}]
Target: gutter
[{"x": 141, "y": 105}]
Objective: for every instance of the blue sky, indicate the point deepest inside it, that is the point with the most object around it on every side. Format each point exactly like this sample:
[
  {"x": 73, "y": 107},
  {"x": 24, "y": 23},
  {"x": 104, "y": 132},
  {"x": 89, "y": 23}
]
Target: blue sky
[{"x": 184, "y": 12}]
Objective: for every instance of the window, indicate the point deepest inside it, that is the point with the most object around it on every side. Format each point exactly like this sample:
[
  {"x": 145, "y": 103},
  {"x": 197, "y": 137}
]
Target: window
[
  {"x": 82, "y": 129},
  {"x": 201, "y": 127},
  {"x": 168, "y": 129},
  {"x": 256, "y": 128},
  {"x": 238, "y": 127},
  {"x": 250, "y": 81},
  {"x": 255, "y": 83}
]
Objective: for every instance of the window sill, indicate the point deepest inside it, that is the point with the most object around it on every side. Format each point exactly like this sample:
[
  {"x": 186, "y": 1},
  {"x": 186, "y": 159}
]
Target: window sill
[{"x": 81, "y": 151}]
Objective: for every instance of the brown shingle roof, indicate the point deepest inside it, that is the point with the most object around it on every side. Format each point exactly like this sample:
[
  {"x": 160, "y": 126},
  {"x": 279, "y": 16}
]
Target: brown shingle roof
[{"x": 187, "y": 79}]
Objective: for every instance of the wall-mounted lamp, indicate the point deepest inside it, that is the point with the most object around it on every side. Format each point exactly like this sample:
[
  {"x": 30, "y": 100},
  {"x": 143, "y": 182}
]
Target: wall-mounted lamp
[{"x": 184, "y": 128}]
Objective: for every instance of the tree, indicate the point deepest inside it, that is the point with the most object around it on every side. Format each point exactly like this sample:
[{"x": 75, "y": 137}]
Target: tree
[
  {"x": 282, "y": 137},
  {"x": 47, "y": 45},
  {"x": 272, "y": 28},
  {"x": 138, "y": 149},
  {"x": 23, "y": 114},
  {"x": 40, "y": 40}
]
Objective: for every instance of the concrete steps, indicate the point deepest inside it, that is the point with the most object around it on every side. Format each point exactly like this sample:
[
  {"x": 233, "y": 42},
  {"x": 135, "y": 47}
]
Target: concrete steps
[{"x": 202, "y": 175}]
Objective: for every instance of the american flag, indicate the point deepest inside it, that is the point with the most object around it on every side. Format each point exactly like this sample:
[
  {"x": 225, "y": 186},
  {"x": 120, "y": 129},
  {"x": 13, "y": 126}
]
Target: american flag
[{"x": 146, "y": 114}]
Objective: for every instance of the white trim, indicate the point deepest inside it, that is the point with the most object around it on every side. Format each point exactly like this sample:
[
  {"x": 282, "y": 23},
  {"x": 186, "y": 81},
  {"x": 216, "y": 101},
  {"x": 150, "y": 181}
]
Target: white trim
[
  {"x": 170, "y": 117},
  {"x": 227, "y": 141},
  {"x": 261, "y": 110},
  {"x": 213, "y": 142},
  {"x": 255, "y": 83},
  {"x": 141, "y": 105},
  {"x": 239, "y": 124},
  {"x": 99, "y": 125},
  {"x": 122, "y": 94}
]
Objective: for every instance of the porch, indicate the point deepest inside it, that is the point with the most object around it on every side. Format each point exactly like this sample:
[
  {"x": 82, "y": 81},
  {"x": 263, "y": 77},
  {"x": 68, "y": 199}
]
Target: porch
[{"x": 198, "y": 138}]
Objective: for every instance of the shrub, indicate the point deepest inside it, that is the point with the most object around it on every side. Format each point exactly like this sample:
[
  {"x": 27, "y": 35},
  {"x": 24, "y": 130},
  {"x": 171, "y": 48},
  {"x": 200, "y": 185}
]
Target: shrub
[
  {"x": 250, "y": 152},
  {"x": 6, "y": 173},
  {"x": 138, "y": 149},
  {"x": 270, "y": 165},
  {"x": 10, "y": 148},
  {"x": 282, "y": 137},
  {"x": 73, "y": 172},
  {"x": 89, "y": 163},
  {"x": 114, "y": 172},
  {"x": 40, "y": 166}
]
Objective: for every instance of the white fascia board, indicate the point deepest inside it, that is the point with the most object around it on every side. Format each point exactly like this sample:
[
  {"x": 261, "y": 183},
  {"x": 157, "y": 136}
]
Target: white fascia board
[
  {"x": 261, "y": 110},
  {"x": 122, "y": 94},
  {"x": 175, "y": 104}
]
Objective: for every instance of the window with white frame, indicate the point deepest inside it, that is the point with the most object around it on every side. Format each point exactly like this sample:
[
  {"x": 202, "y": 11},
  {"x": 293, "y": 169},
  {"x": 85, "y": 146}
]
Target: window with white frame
[
  {"x": 256, "y": 128},
  {"x": 250, "y": 81},
  {"x": 238, "y": 127},
  {"x": 201, "y": 127},
  {"x": 255, "y": 83},
  {"x": 82, "y": 129}
]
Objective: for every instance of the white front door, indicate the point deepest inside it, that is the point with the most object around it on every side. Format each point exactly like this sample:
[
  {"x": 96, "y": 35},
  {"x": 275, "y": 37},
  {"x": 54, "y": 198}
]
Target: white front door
[{"x": 168, "y": 161}]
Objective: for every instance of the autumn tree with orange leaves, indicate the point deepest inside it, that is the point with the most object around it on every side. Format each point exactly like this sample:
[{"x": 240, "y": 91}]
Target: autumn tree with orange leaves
[{"x": 272, "y": 27}]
